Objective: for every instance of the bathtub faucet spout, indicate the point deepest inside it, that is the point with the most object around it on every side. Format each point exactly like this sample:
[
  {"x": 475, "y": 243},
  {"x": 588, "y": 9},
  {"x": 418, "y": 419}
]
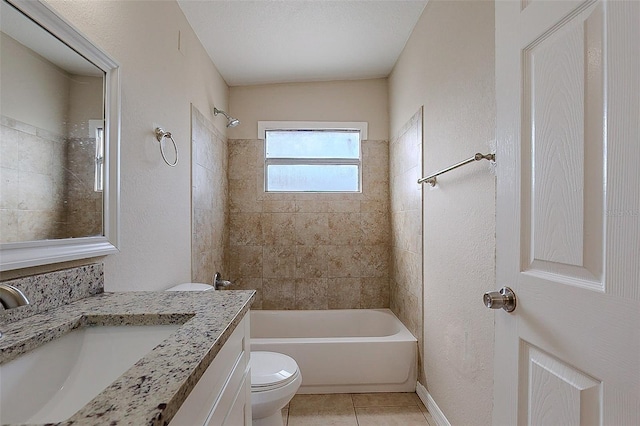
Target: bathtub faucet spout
[{"x": 219, "y": 283}]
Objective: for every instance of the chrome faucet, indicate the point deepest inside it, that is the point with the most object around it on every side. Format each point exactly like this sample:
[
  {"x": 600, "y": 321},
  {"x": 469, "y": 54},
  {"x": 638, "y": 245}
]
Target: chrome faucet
[
  {"x": 11, "y": 297},
  {"x": 219, "y": 283}
]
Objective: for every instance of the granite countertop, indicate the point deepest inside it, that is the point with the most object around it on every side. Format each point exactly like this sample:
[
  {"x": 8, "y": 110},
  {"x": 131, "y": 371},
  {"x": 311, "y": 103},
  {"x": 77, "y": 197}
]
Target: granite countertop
[{"x": 150, "y": 392}]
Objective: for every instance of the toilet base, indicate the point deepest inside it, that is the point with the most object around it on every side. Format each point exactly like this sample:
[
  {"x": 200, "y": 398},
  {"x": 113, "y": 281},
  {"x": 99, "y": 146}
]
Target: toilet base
[{"x": 274, "y": 420}]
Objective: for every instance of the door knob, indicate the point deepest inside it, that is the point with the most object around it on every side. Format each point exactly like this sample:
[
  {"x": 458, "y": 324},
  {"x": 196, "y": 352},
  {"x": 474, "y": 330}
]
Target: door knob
[{"x": 505, "y": 299}]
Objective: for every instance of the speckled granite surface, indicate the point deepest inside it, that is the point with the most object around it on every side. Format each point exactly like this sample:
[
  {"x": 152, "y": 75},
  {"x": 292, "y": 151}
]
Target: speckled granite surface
[
  {"x": 54, "y": 289},
  {"x": 150, "y": 392}
]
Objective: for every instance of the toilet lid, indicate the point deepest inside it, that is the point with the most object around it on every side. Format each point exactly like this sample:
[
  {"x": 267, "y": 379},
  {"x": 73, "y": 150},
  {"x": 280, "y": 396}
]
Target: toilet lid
[
  {"x": 271, "y": 369},
  {"x": 191, "y": 287}
]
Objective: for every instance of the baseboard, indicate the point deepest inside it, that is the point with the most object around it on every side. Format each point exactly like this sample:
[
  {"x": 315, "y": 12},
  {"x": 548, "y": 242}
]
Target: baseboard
[{"x": 431, "y": 405}]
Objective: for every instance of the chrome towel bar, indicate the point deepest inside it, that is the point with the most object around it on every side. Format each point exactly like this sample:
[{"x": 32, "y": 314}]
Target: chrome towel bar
[{"x": 431, "y": 179}]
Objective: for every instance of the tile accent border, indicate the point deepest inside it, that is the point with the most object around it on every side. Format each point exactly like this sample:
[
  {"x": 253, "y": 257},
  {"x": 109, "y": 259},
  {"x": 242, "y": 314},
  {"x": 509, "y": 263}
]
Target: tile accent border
[
  {"x": 432, "y": 407},
  {"x": 54, "y": 289}
]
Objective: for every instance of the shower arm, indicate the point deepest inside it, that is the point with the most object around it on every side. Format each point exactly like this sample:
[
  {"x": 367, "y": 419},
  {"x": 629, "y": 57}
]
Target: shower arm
[{"x": 231, "y": 122}]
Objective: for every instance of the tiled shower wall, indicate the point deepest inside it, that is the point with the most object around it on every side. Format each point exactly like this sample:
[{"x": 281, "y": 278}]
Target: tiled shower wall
[
  {"x": 309, "y": 250},
  {"x": 47, "y": 184},
  {"x": 406, "y": 299},
  {"x": 209, "y": 199}
]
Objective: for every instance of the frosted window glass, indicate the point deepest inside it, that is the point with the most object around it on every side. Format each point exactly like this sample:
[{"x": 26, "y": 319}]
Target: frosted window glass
[
  {"x": 312, "y": 178},
  {"x": 313, "y": 144}
]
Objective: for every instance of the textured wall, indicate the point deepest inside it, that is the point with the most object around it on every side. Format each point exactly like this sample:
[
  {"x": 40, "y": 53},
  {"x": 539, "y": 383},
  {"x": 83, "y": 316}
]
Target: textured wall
[
  {"x": 448, "y": 66},
  {"x": 405, "y": 168},
  {"x": 309, "y": 251},
  {"x": 164, "y": 70},
  {"x": 350, "y": 100},
  {"x": 34, "y": 90},
  {"x": 209, "y": 198}
]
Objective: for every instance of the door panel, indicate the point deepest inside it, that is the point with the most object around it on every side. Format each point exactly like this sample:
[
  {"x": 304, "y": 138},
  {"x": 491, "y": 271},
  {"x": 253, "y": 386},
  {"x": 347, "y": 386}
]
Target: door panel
[
  {"x": 562, "y": 221},
  {"x": 556, "y": 393},
  {"x": 568, "y": 126}
]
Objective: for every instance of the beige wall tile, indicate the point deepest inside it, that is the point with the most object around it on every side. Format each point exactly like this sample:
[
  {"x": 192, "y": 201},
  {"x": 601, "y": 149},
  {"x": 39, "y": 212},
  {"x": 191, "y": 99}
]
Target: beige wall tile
[
  {"x": 374, "y": 293},
  {"x": 245, "y": 229},
  {"x": 243, "y": 196},
  {"x": 202, "y": 267},
  {"x": 375, "y": 189},
  {"x": 344, "y": 206},
  {"x": 9, "y": 142},
  {"x": 279, "y": 229},
  {"x": 344, "y": 293},
  {"x": 381, "y": 206},
  {"x": 210, "y": 194},
  {"x": 245, "y": 262},
  {"x": 202, "y": 238},
  {"x": 203, "y": 181},
  {"x": 375, "y": 158},
  {"x": 279, "y": 262},
  {"x": 375, "y": 261},
  {"x": 312, "y": 228},
  {"x": 406, "y": 228},
  {"x": 311, "y": 293},
  {"x": 279, "y": 206},
  {"x": 344, "y": 261},
  {"x": 9, "y": 226},
  {"x": 36, "y": 224},
  {"x": 34, "y": 191},
  {"x": 310, "y": 205},
  {"x": 345, "y": 229},
  {"x": 375, "y": 228},
  {"x": 202, "y": 153},
  {"x": 242, "y": 159},
  {"x": 8, "y": 189},
  {"x": 312, "y": 261},
  {"x": 278, "y": 294},
  {"x": 250, "y": 284},
  {"x": 35, "y": 155}
]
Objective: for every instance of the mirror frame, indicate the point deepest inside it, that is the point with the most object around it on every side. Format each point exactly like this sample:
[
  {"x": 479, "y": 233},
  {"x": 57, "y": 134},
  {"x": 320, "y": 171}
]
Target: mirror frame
[{"x": 42, "y": 252}]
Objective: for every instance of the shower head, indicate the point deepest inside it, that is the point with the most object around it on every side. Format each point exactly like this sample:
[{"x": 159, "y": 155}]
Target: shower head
[{"x": 231, "y": 122}]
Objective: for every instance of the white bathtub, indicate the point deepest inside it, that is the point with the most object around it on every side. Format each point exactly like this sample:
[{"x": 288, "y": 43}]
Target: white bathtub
[{"x": 341, "y": 350}]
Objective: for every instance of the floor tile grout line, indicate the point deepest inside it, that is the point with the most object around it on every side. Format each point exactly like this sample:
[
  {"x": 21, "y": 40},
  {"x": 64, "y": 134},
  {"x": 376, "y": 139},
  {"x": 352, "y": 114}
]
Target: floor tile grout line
[
  {"x": 395, "y": 405},
  {"x": 353, "y": 407}
]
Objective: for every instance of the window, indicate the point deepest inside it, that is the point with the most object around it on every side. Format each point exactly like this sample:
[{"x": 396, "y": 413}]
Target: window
[
  {"x": 313, "y": 157},
  {"x": 96, "y": 130}
]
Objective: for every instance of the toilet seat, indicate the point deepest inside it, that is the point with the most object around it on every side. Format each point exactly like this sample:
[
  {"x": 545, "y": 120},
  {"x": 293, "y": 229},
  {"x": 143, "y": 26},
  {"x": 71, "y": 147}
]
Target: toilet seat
[{"x": 271, "y": 370}]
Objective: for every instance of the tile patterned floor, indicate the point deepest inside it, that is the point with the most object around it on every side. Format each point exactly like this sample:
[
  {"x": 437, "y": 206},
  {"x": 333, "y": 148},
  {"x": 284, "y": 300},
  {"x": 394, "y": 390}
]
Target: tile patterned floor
[{"x": 358, "y": 409}]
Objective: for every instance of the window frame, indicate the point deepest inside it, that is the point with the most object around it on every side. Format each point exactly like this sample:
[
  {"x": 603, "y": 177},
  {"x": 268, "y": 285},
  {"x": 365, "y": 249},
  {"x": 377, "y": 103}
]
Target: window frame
[
  {"x": 96, "y": 130},
  {"x": 265, "y": 126}
]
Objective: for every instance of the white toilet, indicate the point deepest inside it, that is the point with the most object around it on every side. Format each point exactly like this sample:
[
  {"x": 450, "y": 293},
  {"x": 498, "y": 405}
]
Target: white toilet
[{"x": 275, "y": 377}]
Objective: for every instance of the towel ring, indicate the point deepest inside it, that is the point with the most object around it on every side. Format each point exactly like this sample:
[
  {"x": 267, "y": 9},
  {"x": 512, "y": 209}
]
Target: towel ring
[{"x": 161, "y": 134}]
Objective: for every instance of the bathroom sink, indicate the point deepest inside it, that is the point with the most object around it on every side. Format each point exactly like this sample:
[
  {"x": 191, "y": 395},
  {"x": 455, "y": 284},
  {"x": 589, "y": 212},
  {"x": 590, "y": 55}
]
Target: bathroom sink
[{"x": 52, "y": 382}]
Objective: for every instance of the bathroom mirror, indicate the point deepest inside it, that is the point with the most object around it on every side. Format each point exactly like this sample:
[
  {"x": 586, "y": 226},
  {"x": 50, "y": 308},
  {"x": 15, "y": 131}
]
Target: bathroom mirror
[{"x": 59, "y": 140}]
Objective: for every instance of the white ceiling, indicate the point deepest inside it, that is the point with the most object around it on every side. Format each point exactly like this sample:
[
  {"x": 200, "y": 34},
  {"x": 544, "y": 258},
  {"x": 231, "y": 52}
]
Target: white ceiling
[{"x": 277, "y": 41}]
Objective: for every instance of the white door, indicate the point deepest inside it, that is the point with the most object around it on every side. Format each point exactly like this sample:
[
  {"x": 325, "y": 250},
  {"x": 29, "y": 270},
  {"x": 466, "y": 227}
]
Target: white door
[{"x": 568, "y": 212}]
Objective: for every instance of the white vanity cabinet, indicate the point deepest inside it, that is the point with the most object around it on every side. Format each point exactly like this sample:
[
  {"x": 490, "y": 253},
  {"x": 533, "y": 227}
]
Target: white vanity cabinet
[{"x": 222, "y": 396}]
